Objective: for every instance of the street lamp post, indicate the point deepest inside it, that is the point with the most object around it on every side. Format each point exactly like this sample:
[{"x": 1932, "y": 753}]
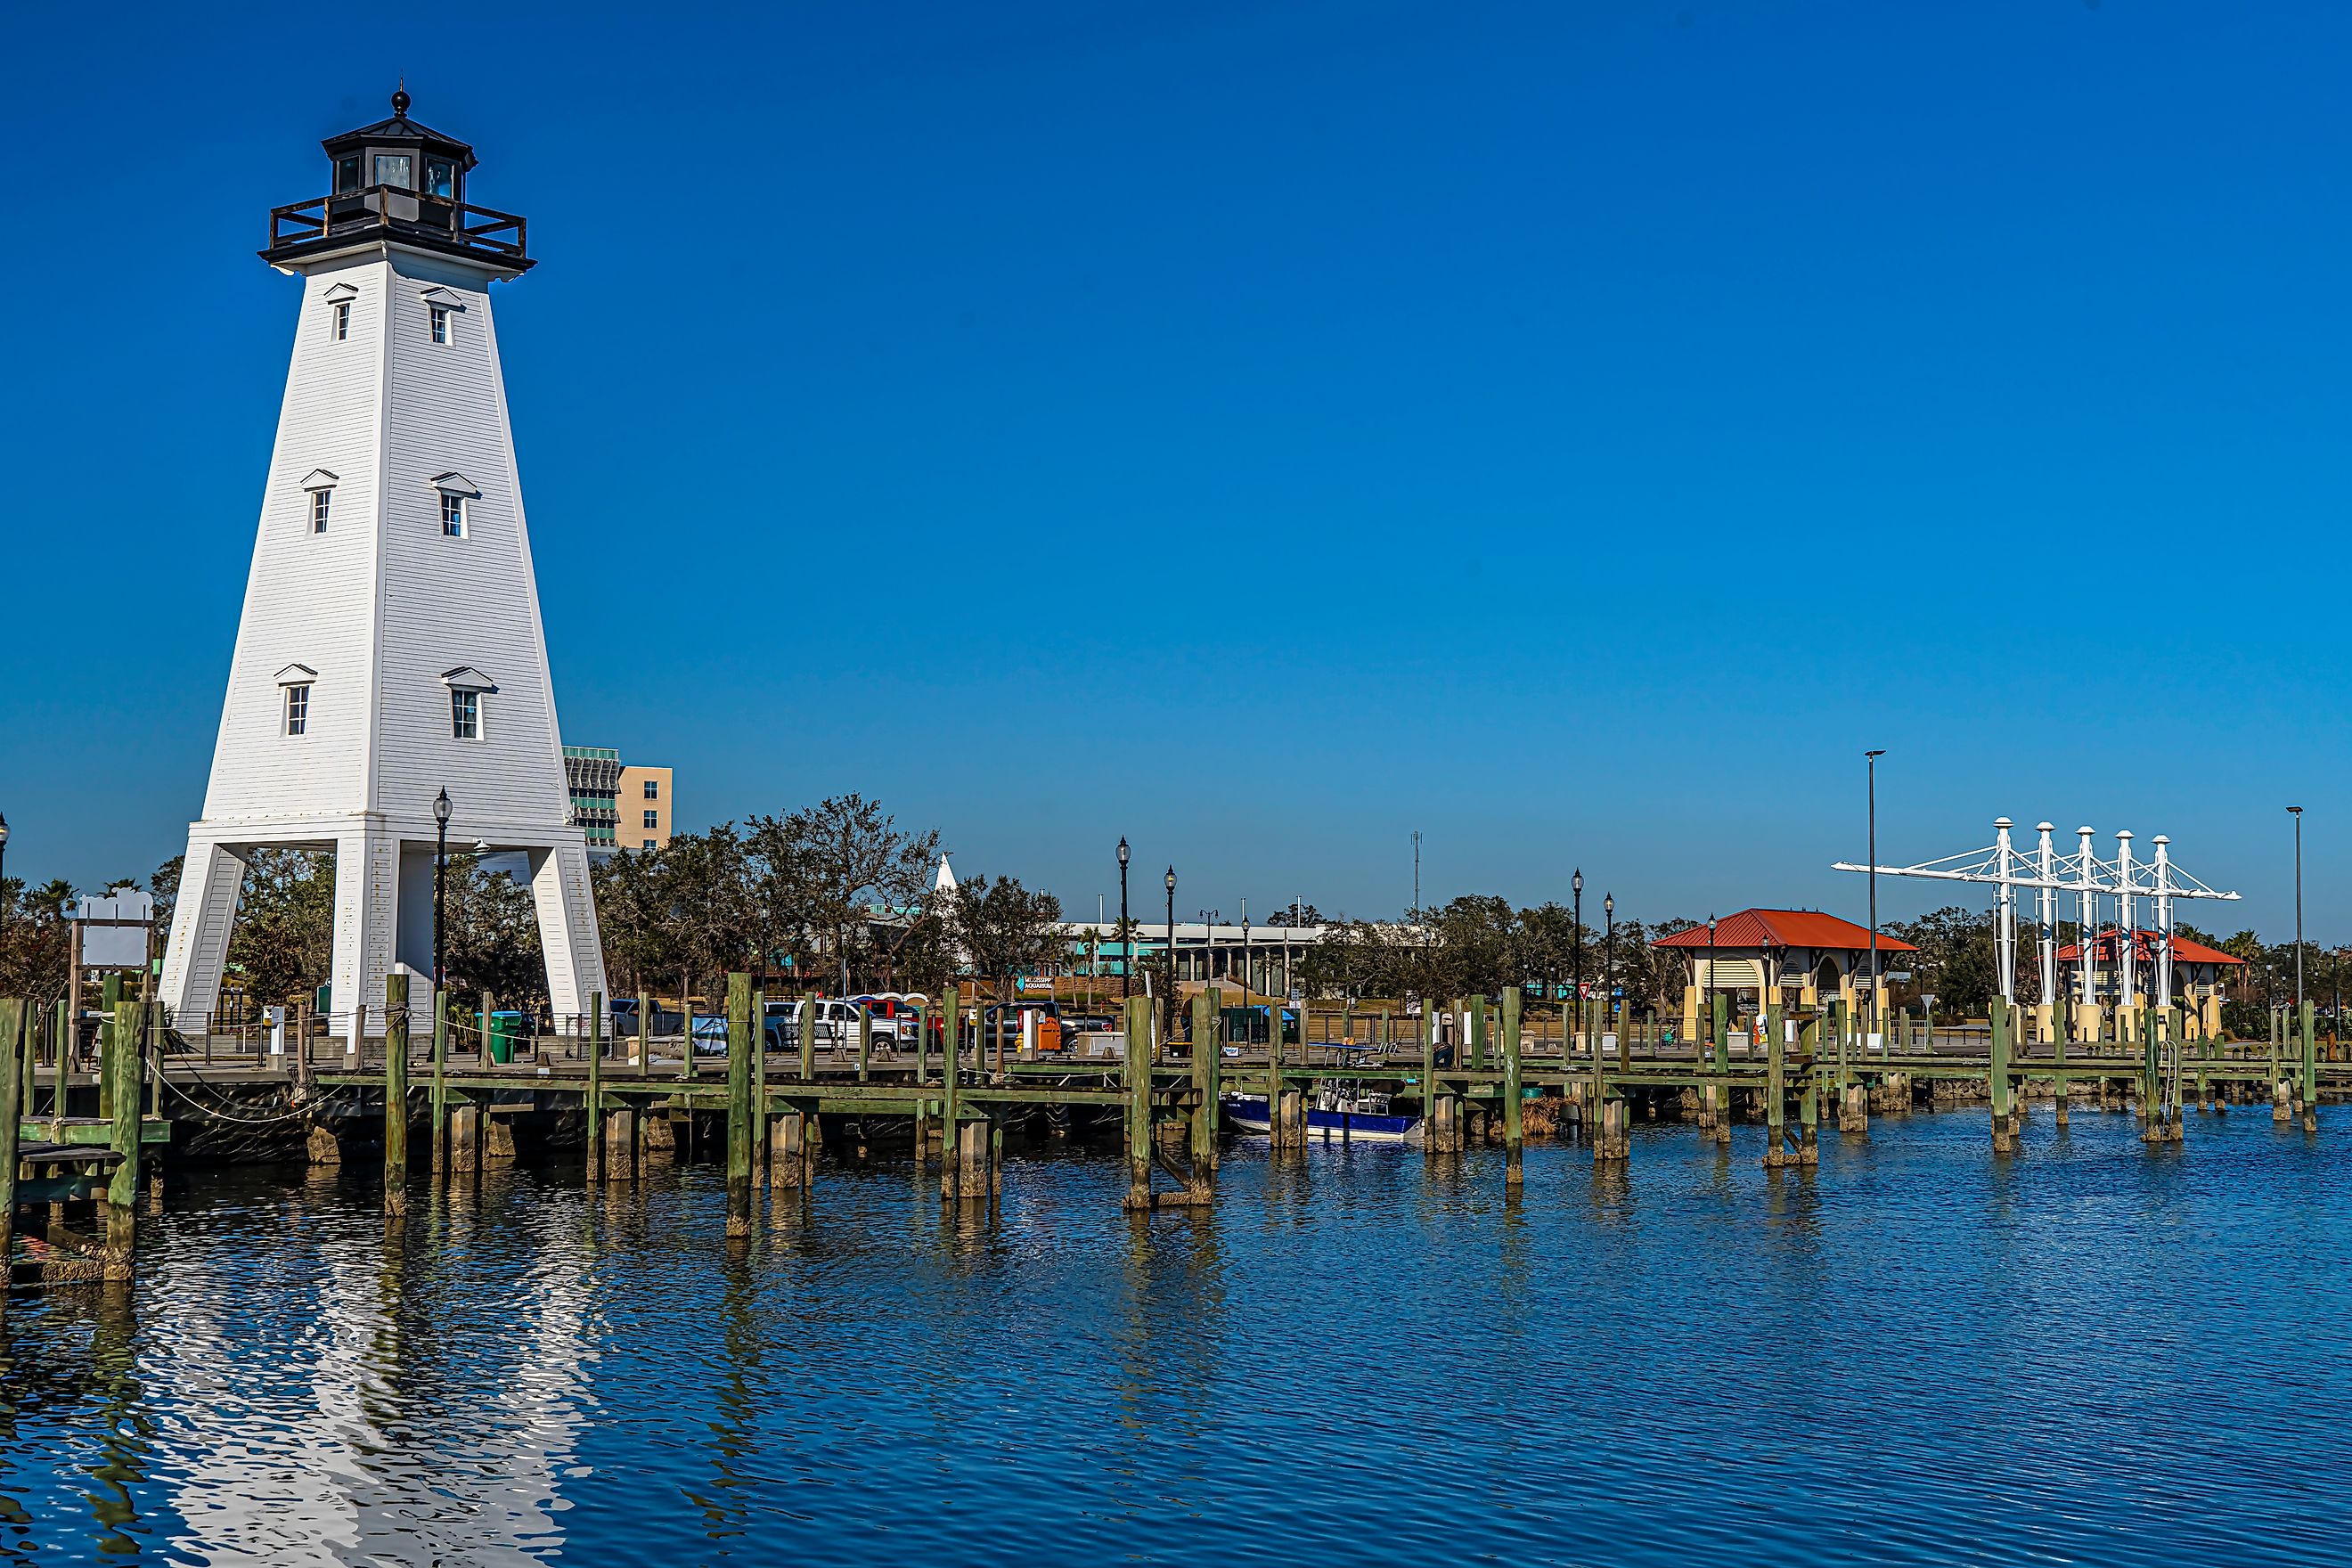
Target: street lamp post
[
  {"x": 1126, "y": 932},
  {"x": 2297, "y": 812},
  {"x": 1609, "y": 960},
  {"x": 1576, "y": 944},
  {"x": 1168, "y": 1029},
  {"x": 440, "y": 859},
  {"x": 4, "y": 881},
  {"x": 1707, "y": 993},
  {"x": 1870, "y": 760}
]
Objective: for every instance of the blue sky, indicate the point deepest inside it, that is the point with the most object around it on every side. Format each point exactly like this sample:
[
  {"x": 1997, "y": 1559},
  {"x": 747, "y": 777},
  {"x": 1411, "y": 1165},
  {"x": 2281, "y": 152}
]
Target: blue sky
[{"x": 1574, "y": 432}]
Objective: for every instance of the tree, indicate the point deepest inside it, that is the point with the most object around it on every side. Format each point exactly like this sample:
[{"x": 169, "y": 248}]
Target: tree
[
  {"x": 1004, "y": 929},
  {"x": 285, "y": 937},
  {"x": 1296, "y": 915},
  {"x": 848, "y": 861},
  {"x": 490, "y": 931},
  {"x": 33, "y": 946}
]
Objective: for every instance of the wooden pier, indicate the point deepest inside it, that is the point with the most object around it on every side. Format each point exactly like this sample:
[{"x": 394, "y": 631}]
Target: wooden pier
[{"x": 80, "y": 1138}]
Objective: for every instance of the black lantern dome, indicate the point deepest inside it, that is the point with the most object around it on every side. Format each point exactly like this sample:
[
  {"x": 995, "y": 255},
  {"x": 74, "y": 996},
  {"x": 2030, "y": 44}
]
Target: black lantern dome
[
  {"x": 395, "y": 180},
  {"x": 400, "y": 155}
]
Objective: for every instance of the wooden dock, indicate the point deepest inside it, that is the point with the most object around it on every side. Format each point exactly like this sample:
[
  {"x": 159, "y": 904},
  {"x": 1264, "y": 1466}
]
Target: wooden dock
[{"x": 1472, "y": 1072}]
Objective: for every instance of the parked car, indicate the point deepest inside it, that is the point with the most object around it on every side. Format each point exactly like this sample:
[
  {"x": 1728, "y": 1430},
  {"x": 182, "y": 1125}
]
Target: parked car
[{"x": 837, "y": 1026}]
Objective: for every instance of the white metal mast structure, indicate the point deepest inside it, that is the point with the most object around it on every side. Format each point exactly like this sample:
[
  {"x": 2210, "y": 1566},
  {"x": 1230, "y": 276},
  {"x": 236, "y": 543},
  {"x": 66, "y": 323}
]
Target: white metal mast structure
[
  {"x": 2082, "y": 873},
  {"x": 390, "y": 645}
]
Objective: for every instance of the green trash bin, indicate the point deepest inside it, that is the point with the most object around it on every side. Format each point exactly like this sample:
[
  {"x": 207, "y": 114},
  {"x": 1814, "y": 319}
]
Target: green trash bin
[{"x": 505, "y": 1028}]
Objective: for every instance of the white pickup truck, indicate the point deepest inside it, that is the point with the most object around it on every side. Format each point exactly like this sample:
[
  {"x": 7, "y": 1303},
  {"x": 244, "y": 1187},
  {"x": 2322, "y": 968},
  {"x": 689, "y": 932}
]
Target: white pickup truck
[{"x": 837, "y": 1027}]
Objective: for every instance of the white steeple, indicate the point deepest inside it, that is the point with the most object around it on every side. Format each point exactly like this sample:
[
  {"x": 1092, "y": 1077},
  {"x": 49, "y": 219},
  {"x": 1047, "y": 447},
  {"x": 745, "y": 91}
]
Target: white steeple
[
  {"x": 945, "y": 881},
  {"x": 390, "y": 647}
]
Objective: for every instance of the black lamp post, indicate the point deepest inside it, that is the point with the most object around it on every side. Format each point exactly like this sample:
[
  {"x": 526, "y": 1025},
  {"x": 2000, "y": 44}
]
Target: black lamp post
[
  {"x": 1576, "y": 938},
  {"x": 1706, "y": 992},
  {"x": 1870, "y": 760},
  {"x": 3, "y": 884},
  {"x": 1170, "y": 1029},
  {"x": 440, "y": 861},
  {"x": 2297, "y": 812},
  {"x": 1609, "y": 960},
  {"x": 1126, "y": 932}
]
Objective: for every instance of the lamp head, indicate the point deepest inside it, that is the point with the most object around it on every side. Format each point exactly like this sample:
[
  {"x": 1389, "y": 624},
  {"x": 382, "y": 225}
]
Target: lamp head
[
  {"x": 4, "y": 833},
  {"x": 1609, "y": 903},
  {"x": 1172, "y": 881},
  {"x": 441, "y": 808},
  {"x": 1577, "y": 882},
  {"x": 1122, "y": 849}
]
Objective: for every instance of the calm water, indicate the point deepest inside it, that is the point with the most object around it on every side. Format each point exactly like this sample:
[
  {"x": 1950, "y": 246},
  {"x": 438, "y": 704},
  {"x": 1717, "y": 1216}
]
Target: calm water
[{"x": 2089, "y": 1353}]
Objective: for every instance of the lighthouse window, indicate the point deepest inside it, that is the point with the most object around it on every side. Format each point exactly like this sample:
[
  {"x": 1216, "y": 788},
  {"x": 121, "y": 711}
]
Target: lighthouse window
[
  {"x": 341, "y": 326},
  {"x": 452, "y": 515},
  {"x": 318, "y": 501},
  {"x": 466, "y": 715},
  {"x": 391, "y": 169},
  {"x": 440, "y": 322},
  {"x": 438, "y": 177},
  {"x": 297, "y": 708}
]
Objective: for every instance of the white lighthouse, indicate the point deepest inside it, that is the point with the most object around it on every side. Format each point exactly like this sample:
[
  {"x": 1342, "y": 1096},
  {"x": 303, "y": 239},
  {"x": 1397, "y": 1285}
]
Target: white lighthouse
[{"x": 390, "y": 647}]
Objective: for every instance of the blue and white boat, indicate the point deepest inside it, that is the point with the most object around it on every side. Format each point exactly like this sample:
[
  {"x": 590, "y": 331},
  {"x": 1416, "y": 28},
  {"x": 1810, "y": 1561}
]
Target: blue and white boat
[{"x": 1342, "y": 1112}]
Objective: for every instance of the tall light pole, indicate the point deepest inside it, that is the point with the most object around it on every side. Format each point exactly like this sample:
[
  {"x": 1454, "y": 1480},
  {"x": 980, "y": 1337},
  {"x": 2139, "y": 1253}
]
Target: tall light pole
[
  {"x": 1576, "y": 941},
  {"x": 1416, "y": 872},
  {"x": 1168, "y": 1028},
  {"x": 2297, "y": 812},
  {"x": 1126, "y": 932},
  {"x": 1609, "y": 961},
  {"x": 4, "y": 881},
  {"x": 440, "y": 860},
  {"x": 1870, "y": 760},
  {"x": 1707, "y": 996}
]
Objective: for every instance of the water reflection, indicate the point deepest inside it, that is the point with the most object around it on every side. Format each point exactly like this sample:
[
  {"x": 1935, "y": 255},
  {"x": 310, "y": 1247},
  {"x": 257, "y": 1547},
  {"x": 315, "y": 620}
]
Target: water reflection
[{"x": 526, "y": 1369}]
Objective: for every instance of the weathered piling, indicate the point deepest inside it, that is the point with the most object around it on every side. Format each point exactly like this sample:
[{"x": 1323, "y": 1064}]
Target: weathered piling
[
  {"x": 440, "y": 1089},
  {"x": 1776, "y": 1088},
  {"x": 1206, "y": 1060},
  {"x": 395, "y": 1094},
  {"x": 1997, "y": 1084},
  {"x": 808, "y": 1036},
  {"x": 787, "y": 1152},
  {"x": 16, "y": 1094},
  {"x": 1513, "y": 1139},
  {"x": 1135, "y": 1078},
  {"x": 760, "y": 1107},
  {"x": 126, "y": 1071},
  {"x": 739, "y": 1102},
  {"x": 595, "y": 1097},
  {"x": 958, "y": 1152},
  {"x": 2310, "y": 1077}
]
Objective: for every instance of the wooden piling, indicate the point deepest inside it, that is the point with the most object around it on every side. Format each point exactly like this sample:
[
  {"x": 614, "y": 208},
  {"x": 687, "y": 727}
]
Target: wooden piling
[
  {"x": 951, "y": 1117},
  {"x": 1776, "y": 1088},
  {"x": 465, "y": 1137},
  {"x": 738, "y": 1102},
  {"x": 595, "y": 1087},
  {"x": 760, "y": 1108},
  {"x": 1996, "y": 1085},
  {"x": 808, "y": 1036},
  {"x": 787, "y": 1152},
  {"x": 15, "y": 1097},
  {"x": 126, "y": 1071},
  {"x": 1513, "y": 1139},
  {"x": 440, "y": 1089},
  {"x": 1206, "y": 1059},
  {"x": 1135, "y": 1077},
  {"x": 865, "y": 1043},
  {"x": 395, "y": 1094},
  {"x": 2310, "y": 1070}
]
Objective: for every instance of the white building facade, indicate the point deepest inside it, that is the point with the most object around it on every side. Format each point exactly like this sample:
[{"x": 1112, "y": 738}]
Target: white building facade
[{"x": 391, "y": 646}]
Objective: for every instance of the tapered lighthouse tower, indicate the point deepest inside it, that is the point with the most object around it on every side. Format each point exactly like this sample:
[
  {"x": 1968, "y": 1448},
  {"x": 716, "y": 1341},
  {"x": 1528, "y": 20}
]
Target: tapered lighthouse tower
[{"x": 390, "y": 647}]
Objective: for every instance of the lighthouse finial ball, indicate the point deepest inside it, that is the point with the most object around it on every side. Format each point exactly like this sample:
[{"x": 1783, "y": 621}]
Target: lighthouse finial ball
[{"x": 400, "y": 97}]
